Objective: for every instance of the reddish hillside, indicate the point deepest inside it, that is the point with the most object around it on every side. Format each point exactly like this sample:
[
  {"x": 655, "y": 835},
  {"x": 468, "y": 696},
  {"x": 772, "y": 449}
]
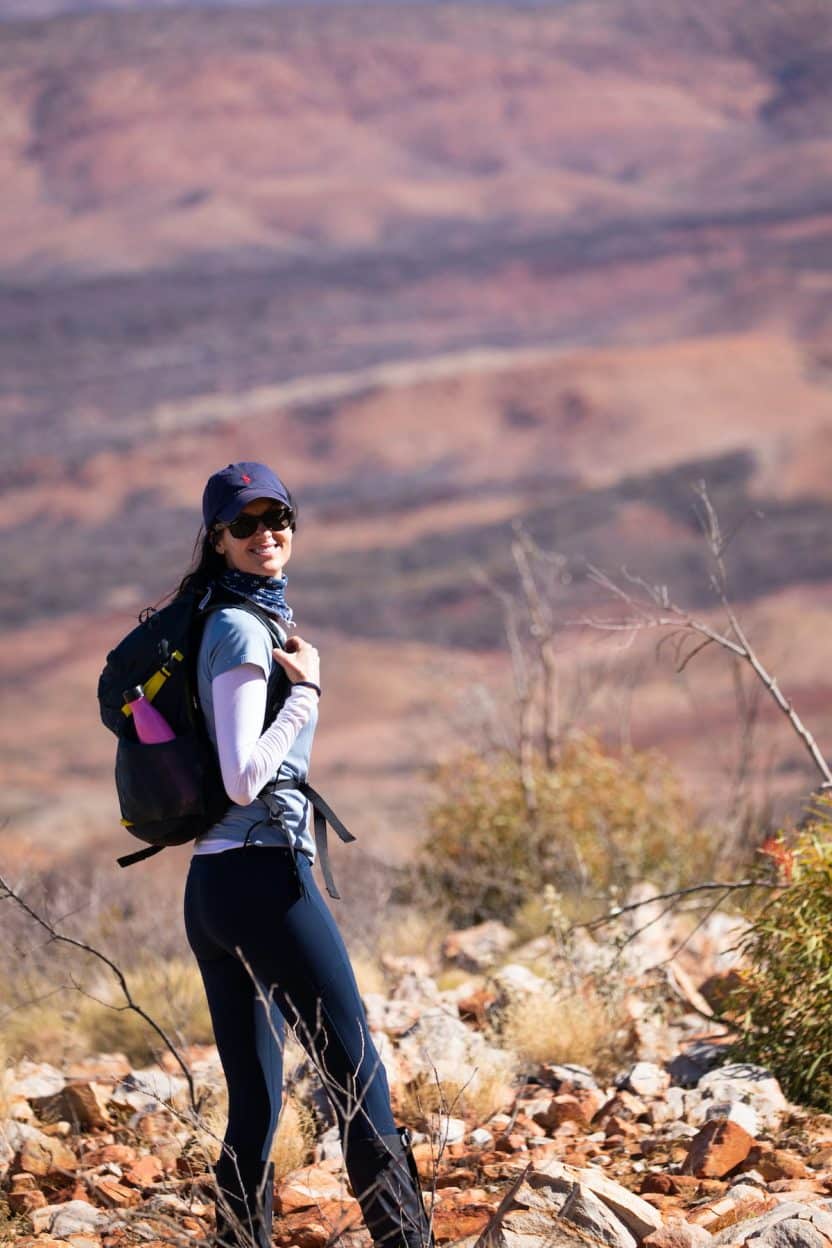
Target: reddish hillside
[{"x": 447, "y": 265}]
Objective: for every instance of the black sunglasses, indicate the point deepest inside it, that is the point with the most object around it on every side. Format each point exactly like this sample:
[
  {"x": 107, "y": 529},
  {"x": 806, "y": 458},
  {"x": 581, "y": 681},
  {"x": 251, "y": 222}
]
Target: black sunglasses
[{"x": 273, "y": 518}]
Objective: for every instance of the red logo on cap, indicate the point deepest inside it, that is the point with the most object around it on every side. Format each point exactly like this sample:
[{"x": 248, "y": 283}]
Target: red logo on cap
[{"x": 246, "y": 478}]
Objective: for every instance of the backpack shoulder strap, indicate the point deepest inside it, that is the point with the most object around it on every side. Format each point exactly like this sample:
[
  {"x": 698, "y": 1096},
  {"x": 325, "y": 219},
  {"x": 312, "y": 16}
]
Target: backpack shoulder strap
[{"x": 278, "y": 685}]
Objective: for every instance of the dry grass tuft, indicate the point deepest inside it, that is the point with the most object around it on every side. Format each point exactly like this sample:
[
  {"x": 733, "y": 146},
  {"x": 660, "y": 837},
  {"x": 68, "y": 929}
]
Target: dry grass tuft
[
  {"x": 413, "y": 932},
  {"x": 294, "y": 1139},
  {"x": 45, "y": 1031},
  {"x": 579, "y": 1029},
  {"x": 483, "y": 1089},
  {"x": 170, "y": 992},
  {"x": 368, "y": 973}
]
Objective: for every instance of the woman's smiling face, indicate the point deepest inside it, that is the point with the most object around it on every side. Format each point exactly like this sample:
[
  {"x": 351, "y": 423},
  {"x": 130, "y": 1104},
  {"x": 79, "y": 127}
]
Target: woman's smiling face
[{"x": 265, "y": 553}]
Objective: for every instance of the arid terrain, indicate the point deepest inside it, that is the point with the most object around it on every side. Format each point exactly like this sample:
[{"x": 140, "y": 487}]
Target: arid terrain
[{"x": 447, "y": 267}]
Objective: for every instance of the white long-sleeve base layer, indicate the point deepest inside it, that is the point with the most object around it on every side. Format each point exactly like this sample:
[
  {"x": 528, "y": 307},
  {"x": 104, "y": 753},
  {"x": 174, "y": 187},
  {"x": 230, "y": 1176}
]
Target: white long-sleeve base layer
[{"x": 248, "y": 757}]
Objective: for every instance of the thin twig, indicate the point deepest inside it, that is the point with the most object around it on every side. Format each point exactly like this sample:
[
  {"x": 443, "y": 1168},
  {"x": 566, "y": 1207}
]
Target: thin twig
[{"x": 9, "y": 892}]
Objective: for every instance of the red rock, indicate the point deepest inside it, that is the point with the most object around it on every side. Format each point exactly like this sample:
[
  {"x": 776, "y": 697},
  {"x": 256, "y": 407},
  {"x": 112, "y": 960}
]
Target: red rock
[
  {"x": 450, "y": 1225},
  {"x": 474, "y": 1008},
  {"x": 781, "y": 1164},
  {"x": 112, "y": 1193},
  {"x": 669, "y": 1184},
  {"x": 313, "y": 1228},
  {"x": 121, "y": 1154},
  {"x": 45, "y": 1155},
  {"x": 144, "y": 1171},
  {"x": 25, "y": 1202},
  {"x": 511, "y": 1143},
  {"x": 308, "y": 1187},
  {"x": 623, "y": 1127},
  {"x": 458, "y": 1177},
  {"x": 734, "y": 1206},
  {"x": 717, "y": 1149},
  {"x": 158, "y": 1123},
  {"x": 676, "y": 1233}
]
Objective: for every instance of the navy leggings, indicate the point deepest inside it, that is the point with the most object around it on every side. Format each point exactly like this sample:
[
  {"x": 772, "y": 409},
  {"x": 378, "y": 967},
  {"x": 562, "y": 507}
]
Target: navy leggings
[{"x": 252, "y": 915}]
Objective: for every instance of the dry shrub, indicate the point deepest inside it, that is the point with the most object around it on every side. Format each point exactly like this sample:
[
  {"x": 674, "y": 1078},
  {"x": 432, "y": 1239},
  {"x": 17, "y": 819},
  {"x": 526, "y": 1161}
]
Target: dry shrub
[
  {"x": 581, "y": 1028},
  {"x": 170, "y": 992},
  {"x": 602, "y": 821}
]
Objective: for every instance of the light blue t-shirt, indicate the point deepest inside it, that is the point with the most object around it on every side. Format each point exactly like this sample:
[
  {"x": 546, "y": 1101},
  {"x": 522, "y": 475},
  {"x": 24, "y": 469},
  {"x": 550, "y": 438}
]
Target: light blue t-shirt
[{"x": 231, "y": 637}]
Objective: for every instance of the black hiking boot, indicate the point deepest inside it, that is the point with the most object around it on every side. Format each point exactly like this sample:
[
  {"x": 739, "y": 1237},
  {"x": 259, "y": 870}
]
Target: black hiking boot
[
  {"x": 386, "y": 1184},
  {"x": 237, "y": 1226}
]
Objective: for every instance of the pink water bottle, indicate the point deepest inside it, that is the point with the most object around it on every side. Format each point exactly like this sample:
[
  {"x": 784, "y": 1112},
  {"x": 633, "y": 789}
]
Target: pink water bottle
[{"x": 151, "y": 726}]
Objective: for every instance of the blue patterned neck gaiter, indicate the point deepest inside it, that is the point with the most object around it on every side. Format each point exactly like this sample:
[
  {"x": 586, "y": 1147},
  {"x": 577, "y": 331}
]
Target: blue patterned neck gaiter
[{"x": 267, "y": 592}]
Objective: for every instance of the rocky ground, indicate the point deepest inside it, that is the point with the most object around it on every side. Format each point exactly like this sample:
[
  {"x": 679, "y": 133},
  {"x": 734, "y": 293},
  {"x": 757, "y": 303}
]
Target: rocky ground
[{"x": 680, "y": 1151}]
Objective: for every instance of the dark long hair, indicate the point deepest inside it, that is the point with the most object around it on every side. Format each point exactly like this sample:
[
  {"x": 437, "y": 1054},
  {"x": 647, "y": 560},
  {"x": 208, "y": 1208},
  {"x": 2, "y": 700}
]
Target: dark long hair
[{"x": 207, "y": 564}]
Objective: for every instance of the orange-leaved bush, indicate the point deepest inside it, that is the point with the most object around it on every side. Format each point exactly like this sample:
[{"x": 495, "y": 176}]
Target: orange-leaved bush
[{"x": 781, "y": 1006}]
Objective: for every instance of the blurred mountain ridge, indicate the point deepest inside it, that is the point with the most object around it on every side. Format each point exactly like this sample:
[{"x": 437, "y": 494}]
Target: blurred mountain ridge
[{"x": 451, "y": 267}]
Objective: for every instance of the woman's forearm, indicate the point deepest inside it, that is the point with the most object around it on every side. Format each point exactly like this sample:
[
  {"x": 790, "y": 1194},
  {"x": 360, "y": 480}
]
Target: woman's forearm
[{"x": 247, "y": 758}]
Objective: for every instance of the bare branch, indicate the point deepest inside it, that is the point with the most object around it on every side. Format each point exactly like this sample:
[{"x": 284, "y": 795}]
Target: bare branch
[
  {"x": 655, "y": 609},
  {"x": 54, "y": 935}
]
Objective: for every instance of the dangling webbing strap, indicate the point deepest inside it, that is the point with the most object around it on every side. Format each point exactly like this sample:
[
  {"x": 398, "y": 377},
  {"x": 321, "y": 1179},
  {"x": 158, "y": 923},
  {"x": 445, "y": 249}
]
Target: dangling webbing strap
[
  {"x": 127, "y": 860},
  {"x": 324, "y": 814}
]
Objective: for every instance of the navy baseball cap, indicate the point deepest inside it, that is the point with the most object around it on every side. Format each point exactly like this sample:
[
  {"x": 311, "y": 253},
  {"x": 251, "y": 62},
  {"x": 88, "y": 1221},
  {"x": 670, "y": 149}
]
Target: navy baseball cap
[{"x": 228, "y": 491}]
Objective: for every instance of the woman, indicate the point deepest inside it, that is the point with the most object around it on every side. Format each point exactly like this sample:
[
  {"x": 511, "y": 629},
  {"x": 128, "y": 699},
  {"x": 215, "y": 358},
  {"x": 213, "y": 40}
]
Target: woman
[{"x": 267, "y": 947}]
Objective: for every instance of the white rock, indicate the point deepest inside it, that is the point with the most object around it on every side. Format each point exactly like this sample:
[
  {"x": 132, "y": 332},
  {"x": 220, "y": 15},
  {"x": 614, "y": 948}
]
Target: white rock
[
  {"x": 636, "y": 1214},
  {"x": 754, "y": 1085},
  {"x": 35, "y": 1079},
  {"x": 749, "y": 1177},
  {"x": 646, "y": 1079},
  {"x": 70, "y": 1218},
  {"x": 329, "y": 1147},
  {"x": 513, "y": 981},
  {"x": 752, "y": 1227},
  {"x": 475, "y": 948},
  {"x": 480, "y": 1137},
  {"x": 559, "y": 1073},
  {"x": 446, "y": 1130},
  {"x": 670, "y": 1109},
  {"x": 146, "y": 1090},
  {"x": 586, "y": 1211},
  {"x": 679, "y": 1131},
  {"x": 440, "y": 1045}
]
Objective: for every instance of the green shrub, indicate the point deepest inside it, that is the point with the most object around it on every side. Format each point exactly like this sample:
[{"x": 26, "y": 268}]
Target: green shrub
[
  {"x": 781, "y": 1005},
  {"x": 602, "y": 821}
]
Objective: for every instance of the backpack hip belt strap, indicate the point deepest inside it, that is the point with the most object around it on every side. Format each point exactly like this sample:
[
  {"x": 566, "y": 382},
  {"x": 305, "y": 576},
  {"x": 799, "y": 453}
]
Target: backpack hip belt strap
[{"x": 323, "y": 815}]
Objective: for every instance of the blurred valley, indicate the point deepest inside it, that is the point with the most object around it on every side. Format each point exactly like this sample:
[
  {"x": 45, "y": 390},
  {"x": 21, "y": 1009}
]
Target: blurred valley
[{"x": 446, "y": 267}]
